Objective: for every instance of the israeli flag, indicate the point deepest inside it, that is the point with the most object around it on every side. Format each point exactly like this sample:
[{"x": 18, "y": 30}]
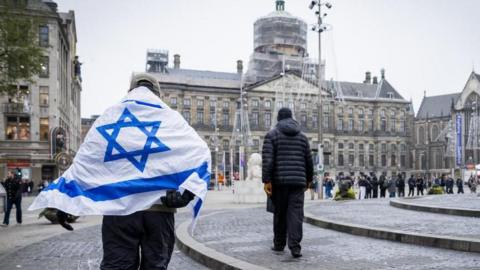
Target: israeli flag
[{"x": 134, "y": 152}]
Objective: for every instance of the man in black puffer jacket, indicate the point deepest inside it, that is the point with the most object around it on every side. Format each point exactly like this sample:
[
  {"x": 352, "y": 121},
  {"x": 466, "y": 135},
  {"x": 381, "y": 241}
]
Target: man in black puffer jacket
[{"x": 287, "y": 172}]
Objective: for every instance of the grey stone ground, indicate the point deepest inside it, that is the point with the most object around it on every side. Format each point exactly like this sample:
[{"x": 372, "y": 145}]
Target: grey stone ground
[
  {"x": 378, "y": 213},
  {"x": 467, "y": 201},
  {"x": 81, "y": 250},
  {"x": 246, "y": 235}
]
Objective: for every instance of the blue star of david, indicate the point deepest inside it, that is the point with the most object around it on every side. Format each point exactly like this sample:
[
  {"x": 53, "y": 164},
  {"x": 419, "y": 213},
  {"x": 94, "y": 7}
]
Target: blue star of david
[{"x": 137, "y": 157}]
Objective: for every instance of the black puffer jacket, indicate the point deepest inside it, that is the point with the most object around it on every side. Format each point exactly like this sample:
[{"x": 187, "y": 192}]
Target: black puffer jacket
[{"x": 286, "y": 155}]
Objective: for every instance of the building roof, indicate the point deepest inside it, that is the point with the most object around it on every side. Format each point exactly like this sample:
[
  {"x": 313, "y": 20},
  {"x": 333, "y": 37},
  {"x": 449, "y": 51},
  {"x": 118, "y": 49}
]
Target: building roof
[
  {"x": 382, "y": 90},
  {"x": 436, "y": 106},
  {"x": 200, "y": 78},
  {"x": 477, "y": 76},
  {"x": 357, "y": 90}
]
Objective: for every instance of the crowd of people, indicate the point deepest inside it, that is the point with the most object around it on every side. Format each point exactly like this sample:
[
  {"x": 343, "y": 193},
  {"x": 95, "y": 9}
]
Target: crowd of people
[{"x": 370, "y": 185}]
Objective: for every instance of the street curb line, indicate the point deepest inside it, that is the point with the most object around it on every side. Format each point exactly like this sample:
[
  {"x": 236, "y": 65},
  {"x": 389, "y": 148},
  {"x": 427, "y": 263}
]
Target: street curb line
[
  {"x": 454, "y": 243},
  {"x": 208, "y": 256},
  {"x": 437, "y": 210}
]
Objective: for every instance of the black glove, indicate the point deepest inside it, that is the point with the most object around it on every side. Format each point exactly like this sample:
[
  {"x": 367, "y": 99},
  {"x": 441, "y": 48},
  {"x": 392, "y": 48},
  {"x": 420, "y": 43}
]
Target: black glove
[
  {"x": 62, "y": 220},
  {"x": 175, "y": 199}
]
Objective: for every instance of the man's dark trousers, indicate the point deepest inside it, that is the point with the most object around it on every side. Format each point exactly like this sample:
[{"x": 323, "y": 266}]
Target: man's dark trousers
[
  {"x": 18, "y": 205},
  {"x": 288, "y": 216},
  {"x": 152, "y": 231}
]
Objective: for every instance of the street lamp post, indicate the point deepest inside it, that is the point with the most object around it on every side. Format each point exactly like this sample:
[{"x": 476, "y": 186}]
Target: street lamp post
[
  {"x": 215, "y": 140},
  {"x": 320, "y": 27}
]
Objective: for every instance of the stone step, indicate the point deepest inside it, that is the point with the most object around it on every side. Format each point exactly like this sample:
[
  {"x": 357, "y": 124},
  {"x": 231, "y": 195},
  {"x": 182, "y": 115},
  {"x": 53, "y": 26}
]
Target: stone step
[
  {"x": 458, "y": 205},
  {"x": 377, "y": 219}
]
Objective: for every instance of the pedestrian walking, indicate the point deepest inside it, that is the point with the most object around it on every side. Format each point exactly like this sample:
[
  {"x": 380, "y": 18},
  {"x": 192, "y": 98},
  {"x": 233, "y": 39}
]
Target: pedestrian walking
[
  {"x": 160, "y": 165},
  {"x": 459, "y": 186},
  {"x": 411, "y": 186},
  {"x": 287, "y": 171},
  {"x": 13, "y": 187}
]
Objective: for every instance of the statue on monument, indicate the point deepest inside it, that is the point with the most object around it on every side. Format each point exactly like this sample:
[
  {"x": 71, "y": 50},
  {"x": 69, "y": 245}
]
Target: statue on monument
[{"x": 250, "y": 190}]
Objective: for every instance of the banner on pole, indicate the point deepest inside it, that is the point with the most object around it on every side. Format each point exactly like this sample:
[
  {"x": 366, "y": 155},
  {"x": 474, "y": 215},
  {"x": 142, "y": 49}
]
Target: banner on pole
[{"x": 458, "y": 148}]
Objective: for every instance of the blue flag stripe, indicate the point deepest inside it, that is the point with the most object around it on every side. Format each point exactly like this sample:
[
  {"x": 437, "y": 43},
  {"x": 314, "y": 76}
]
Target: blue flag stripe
[
  {"x": 143, "y": 103},
  {"x": 121, "y": 189},
  {"x": 196, "y": 208}
]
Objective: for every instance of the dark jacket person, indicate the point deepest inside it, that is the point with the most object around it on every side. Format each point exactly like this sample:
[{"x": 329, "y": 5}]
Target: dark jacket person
[{"x": 287, "y": 171}]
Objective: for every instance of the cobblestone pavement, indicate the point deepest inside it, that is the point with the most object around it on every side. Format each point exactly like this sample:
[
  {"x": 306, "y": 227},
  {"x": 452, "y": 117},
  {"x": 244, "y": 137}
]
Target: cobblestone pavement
[
  {"x": 33, "y": 229},
  {"x": 247, "y": 235},
  {"x": 80, "y": 249},
  {"x": 468, "y": 201},
  {"x": 378, "y": 213}
]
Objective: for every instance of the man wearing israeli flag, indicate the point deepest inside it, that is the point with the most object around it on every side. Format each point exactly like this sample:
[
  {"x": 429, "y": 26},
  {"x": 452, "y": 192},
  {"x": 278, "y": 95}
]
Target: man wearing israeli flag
[{"x": 139, "y": 162}]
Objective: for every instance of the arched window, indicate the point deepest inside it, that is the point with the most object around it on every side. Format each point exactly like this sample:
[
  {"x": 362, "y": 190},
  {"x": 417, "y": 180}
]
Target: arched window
[
  {"x": 434, "y": 133},
  {"x": 421, "y": 135}
]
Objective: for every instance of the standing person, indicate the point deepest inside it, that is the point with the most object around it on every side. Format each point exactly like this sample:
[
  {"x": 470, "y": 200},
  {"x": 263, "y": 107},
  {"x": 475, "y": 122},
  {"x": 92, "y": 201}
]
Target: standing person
[
  {"x": 383, "y": 183},
  {"x": 459, "y": 186},
  {"x": 401, "y": 185},
  {"x": 139, "y": 193},
  {"x": 362, "y": 187},
  {"x": 392, "y": 187},
  {"x": 287, "y": 171},
  {"x": 369, "y": 186},
  {"x": 443, "y": 182},
  {"x": 472, "y": 184},
  {"x": 411, "y": 186},
  {"x": 449, "y": 185},
  {"x": 13, "y": 187},
  {"x": 30, "y": 187},
  {"x": 420, "y": 185},
  {"x": 329, "y": 184},
  {"x": 374, "y": 184}
]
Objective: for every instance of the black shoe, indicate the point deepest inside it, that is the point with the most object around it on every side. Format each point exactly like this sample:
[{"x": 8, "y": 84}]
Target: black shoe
[
  {"x": 296, "y": 253},
  {"x": 278, "y": 249}
]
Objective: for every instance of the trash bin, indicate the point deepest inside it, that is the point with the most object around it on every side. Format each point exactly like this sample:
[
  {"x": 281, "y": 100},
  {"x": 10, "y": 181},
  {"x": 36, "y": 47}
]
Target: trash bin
[{"x": 3, "y": 199}]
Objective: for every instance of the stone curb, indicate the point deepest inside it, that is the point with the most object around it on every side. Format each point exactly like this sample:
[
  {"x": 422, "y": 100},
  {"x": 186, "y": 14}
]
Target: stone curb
[
  {"x": 454, "y": 243},
  {"x": 207, "y": 256},
  {"x": 438, "y": 210}
]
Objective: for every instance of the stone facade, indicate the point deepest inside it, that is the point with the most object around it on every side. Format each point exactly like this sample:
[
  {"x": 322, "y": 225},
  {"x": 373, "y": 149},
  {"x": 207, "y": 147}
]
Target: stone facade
[
  {"x": 31, "y": 126},
  {"x": 366, "y": 131},
  {"x": 440, "y": 121}
]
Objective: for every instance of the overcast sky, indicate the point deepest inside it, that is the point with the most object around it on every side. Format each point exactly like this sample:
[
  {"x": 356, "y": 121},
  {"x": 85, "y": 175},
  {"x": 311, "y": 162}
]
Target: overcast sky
[{"x": 427, "y": 45}]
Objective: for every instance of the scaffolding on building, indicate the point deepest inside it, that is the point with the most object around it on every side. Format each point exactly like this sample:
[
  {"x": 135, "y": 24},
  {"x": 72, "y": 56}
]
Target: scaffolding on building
[
  {"x": 279, "y": 38},
  {"x": 241, "y": 140},
  {"x": 157, "y": 61}
]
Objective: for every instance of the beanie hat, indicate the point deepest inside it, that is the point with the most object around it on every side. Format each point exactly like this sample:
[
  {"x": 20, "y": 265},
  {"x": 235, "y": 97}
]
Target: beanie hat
[{"x": 284, "y": 113}]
